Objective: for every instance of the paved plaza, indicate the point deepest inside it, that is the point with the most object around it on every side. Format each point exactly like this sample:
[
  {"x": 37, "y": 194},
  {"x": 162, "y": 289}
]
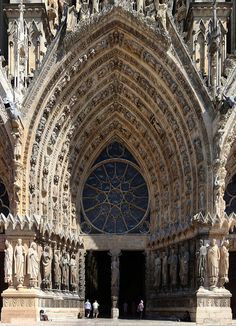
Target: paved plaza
[{"x": 119, "y": 322}]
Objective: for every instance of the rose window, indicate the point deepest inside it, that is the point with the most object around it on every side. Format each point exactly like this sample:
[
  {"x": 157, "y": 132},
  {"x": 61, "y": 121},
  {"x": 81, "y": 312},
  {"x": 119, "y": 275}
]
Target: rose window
[{"x": 115, "y": 195}]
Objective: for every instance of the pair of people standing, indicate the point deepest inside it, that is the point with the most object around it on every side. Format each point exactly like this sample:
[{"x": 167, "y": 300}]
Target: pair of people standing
[{"x": 88, "y": 308}]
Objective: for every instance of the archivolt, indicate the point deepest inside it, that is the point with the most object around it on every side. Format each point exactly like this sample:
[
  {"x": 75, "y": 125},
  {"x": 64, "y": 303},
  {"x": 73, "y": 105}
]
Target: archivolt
[{"x": 123, "y": 85}]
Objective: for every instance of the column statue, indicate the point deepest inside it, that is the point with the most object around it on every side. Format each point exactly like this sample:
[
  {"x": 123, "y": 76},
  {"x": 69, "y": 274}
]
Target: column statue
[
  {"x": 173, "y": 262},
  {"x": 213, "y": 258},
  {"x": 224, "y": 263},
  {"x": 84, "y": 9},
  {"x": 33, "y": 264},
  {"x": 73, "y": 272},
  {"x": 65, "y": 271},
  {"x": 95, "y": 6},
  {"x": 8, "y": 260},
  {"x": 184, "y": 265},
  {"x": 157, "y": 271},
  {"x": 164, "y": 268},
  {"x": 46, "y": 262},
  {"x": 201, "y": 256},
  {"x": 57, "y": 269},
  {"x": 19, "y": 257}
]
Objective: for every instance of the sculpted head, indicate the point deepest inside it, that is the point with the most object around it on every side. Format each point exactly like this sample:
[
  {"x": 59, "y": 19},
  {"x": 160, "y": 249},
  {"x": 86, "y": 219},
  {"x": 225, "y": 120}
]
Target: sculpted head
[
  {"x": 19, "y": 242},
  {"x": 213, "y": 242}
]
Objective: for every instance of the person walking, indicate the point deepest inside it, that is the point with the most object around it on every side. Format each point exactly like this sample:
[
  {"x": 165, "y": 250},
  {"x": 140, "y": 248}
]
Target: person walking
[
  {"x": 88, "y": 308},
  {"x": 140, "y": 309},
  {"x": 95, "y": 309}
]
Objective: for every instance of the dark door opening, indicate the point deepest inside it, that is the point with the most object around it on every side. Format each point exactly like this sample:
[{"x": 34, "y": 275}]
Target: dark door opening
[
  {"x": 231, "y": 286},
  {"x": 98, "y": 280},
  {"x": 3, "y": 286},
  {"x": 132, "y": 282}
]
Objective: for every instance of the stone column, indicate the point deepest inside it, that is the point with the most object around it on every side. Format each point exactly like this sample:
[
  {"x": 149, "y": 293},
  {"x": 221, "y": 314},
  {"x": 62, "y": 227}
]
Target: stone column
[{"x": 115, "y": 282}]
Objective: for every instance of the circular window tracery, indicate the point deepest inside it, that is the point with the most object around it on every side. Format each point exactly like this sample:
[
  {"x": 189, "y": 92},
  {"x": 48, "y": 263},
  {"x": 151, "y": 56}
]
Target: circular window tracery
[{"x": 115, "y": 195}]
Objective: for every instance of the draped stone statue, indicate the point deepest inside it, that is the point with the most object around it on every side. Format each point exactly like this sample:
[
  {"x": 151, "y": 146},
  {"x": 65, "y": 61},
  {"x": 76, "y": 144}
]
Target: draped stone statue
[
  {"x": 164, "y": 268},
  {"x": 115, "y": 272},
  {"x": 65, "y": 271},
  {"x": 173, "y": 262},
  {"x": 73, "y": 272},
  {"x": 57, "y": 269},
  {"x": 213, "y": 258},
  {"x": 8, "y": 260},
  {"x": 201, "y": 256},
  {"x": 184, "y": 265},
  {"x": 157, "y": 271},
  {"x": 46, "y": 262},
  {"x": 33, "y": 264},
  {"x": 224, "y": 263},
  {"x": 95, "y": 6},
  {"x": 84, "y": 9},
  {"x": 19, "y": 258},
  {"x": 140, "y": 6}
]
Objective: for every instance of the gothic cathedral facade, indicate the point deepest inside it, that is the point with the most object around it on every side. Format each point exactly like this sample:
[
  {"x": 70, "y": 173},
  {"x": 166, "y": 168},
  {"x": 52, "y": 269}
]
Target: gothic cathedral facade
[{"x": 118, "y": 150}]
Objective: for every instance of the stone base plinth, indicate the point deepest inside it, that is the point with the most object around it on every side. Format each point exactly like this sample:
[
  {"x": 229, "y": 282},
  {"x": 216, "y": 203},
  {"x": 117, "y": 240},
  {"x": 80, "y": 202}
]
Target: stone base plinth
[
  {"x": 203, "y": 306},
  {"x": 170, "y": 305},
  {"x": 114, "y": 313},
  {"x": 25, "y": 305},
  {"x": 213, "y": 306}
]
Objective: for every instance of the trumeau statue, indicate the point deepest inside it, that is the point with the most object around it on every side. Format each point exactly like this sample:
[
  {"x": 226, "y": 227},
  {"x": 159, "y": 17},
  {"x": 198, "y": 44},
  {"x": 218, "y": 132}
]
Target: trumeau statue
[
  {"x": 201, "y": 255},
  {"x": 8, "y": 260},
  {"x": 46, "y": 262},
  {"x": 115, "y": 273},
  {"x": 224, "y": 263},
  {"x": 213, "y": 258},
  {"x": 33, "y": 263},
  {"x": 19, "y": 258}
]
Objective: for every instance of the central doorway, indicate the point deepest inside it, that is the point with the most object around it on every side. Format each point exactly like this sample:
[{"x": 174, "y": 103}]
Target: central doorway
[
  {"x": 132, "y": 282},
  {"x": 98, "y": 280}
]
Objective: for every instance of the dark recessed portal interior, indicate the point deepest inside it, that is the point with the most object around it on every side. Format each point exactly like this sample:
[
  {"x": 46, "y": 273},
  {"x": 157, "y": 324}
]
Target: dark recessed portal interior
[
  {"x": 98, "y": 280},
  {"x": 231, "y": 286},
  {"x": 132, "y": 286}
]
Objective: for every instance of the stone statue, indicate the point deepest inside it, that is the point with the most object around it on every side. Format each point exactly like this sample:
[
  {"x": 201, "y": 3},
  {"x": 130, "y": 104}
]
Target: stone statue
[
  {"x": 213, "y": 258},
  {"x": 57, "y": 269},
  {"x": 224, "y": 263},
  {"x": 73, "y": 272},
  {"x": 157, "y": 271},
  {"x": 33, "y": 263},
  {"x": 115, "y": 273},
  {"x": 19, "y": 258},
  {"x": 95, "y": 6},
  {"x": 164, "y": 268},
  {"x": 173, "y": 262},
  {"x": 71, "y": 20},
  {"x": 84, "y": 9},
  {"x": 8, "y": 260},
  {"x": 46, "y": 262},
  {"x": 184, "y": 265},
  {"x": 201, "y": 255},
  {"x": 140, "y": 6},
  {"x": 65, "y": 271}
]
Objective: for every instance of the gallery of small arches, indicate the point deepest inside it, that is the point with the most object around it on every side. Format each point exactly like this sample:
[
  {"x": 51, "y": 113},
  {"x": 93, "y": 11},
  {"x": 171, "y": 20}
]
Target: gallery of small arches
[{"x": 126, "y": 86}]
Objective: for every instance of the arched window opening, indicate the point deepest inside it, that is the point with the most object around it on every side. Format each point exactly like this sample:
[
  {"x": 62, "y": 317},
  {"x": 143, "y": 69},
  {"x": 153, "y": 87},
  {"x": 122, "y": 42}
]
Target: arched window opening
[
  {"x": 230, "y": 197},
  {"x": 4, "y": 199},
  {"x": 115, "y": 196}
]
